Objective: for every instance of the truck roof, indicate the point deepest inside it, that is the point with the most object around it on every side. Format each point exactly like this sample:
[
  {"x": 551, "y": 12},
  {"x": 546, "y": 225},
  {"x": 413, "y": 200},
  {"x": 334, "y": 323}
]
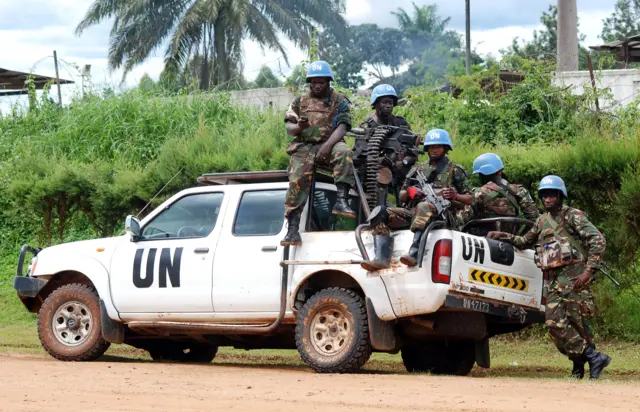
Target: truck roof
[{"x": 268, "y": 176}]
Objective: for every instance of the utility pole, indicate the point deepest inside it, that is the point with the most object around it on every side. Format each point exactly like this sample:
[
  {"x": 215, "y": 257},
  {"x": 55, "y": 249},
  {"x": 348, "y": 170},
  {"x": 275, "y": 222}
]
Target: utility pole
[
  {"x": 468, "y": 29},
  {"x": 567, "y": 36},
  {"x": 55, "y": 61}
]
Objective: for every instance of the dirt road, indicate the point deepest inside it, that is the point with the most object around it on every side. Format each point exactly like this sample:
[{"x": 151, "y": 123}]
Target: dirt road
[{"x": 38, "y": 383}]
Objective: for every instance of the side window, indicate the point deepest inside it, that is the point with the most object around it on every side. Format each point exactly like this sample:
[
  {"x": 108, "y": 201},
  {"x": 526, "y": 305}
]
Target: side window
[
  {"x": 322, "y": 220},
  {"x": 261, "y": 213},
  {"x": 192, "y": 216}
]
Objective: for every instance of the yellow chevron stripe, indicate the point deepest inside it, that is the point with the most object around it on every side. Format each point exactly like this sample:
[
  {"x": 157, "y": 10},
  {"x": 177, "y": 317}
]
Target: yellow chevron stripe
[{"x": 495, "y": 279}]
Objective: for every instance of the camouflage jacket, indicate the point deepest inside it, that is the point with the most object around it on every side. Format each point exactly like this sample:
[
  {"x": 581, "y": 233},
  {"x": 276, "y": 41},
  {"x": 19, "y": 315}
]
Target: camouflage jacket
[
  {"x": 492, "y": 200},
  {"x": 576, "y": 224},
  {"x": 453, "y": 175},
  {"x": 374, "y": 121},
  {"x": 324, "y": 115}
]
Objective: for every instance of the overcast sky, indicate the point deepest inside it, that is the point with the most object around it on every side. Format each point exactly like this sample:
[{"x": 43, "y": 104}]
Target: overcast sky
[{"x": 31, "y": 29}]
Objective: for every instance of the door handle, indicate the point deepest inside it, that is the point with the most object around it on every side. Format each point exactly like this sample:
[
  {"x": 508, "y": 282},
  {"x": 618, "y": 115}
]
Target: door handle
[
  {"x": 201, "y": 250},
  {"x": 269, "y": 248}
]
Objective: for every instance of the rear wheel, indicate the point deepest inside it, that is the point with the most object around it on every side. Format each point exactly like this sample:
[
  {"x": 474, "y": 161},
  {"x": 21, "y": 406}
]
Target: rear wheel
[
  {"x": 440, "y": 357},
  {"x": 69, "y": 325},
  {"x": 332, "y": 331},
  {"x": 182, "y": 352}
]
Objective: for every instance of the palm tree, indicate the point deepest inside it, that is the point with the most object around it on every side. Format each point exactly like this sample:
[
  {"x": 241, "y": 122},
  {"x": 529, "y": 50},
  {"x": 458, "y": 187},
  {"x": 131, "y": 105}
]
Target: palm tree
[
  {"x": 425, "y": 29},
  {"x": 211, "y": 29}
]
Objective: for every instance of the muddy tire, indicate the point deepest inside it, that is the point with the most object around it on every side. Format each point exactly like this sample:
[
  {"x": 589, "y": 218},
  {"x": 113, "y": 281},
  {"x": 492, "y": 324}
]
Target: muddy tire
[
  {"x": 332, "y": 331},
  {"x": 69, "y": 325},
  {"x": 183, "y": 352},
  {"x": 440, "y": 358}
]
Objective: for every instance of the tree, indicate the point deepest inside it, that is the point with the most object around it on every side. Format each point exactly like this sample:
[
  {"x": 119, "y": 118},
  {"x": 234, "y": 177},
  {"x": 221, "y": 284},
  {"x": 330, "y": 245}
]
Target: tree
[
  {"x": 266, "y": 79},
  {"x": 212, "y": 29},
  {"x": 425, "y": 30},
  {"x": 623, "y": 22},
  {"x": 380, "y": 48},
  {"x": 344, "y": 57},
  {"x": 430, "y": 47},
  {"x": 544, "y": 46}
]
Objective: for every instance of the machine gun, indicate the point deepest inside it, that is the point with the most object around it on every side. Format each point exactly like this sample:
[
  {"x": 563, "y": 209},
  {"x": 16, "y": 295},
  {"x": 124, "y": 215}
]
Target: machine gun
[{"x": 379, "y": 148}]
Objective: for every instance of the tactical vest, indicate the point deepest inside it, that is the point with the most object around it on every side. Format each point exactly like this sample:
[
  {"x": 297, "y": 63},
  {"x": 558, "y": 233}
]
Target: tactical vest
[
  {"x": 321, "y": 114},
  {"x": 442, "y": 178},
  {"x": 556, "y": 247},
  {"x": 499, "y": 201}
]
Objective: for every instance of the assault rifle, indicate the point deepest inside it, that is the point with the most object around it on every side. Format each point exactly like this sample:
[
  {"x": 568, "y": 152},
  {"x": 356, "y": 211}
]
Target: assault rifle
[{"x": 426, "y": 188}]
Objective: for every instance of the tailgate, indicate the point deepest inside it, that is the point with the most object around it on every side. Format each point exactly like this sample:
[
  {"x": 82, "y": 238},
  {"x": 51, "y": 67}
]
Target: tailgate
[{"x": 495, "y": 270}]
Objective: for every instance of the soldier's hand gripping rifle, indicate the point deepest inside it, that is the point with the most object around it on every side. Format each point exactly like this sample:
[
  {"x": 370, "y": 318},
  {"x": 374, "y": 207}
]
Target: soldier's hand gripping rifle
[{"x": 441, "y": 204}]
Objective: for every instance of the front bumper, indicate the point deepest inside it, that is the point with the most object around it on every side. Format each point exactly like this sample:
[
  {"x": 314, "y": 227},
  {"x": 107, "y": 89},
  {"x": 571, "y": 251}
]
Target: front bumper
[
  {"x": 28, "y": 287},
  {"x": 25, "y": 286}
]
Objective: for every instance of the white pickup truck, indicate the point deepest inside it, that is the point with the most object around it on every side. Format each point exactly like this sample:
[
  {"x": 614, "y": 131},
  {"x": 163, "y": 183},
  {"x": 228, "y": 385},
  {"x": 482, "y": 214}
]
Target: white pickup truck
[{"x": 205, "y": 270}]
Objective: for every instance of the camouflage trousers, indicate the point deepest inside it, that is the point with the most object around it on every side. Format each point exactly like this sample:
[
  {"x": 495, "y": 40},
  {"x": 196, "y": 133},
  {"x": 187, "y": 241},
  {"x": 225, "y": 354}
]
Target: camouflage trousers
[
  {"x": 399, "y": 219},
  {"x": 422, "y": 215},
  {"x": 569, "y": 313},
  {"x": 301, "y": 170}
]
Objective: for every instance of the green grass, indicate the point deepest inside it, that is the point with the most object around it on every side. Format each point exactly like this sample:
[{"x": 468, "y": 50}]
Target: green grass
[{"x": 531, "y": 358}]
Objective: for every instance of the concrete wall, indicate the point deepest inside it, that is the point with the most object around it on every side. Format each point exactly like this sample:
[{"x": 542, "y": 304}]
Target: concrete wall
[
  {"x": 277, "y": 98},
  {"x": 624, "y": 85}
]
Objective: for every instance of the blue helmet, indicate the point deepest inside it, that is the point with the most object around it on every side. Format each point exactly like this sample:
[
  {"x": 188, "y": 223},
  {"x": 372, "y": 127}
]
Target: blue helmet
[
  {"x": 319, "y": 69},
  {"x": 553, "y": 182},
  {"x": 438, "y": 136},
  {"x": 487, "y": 164},
  {"x": 383, "y": 90}
]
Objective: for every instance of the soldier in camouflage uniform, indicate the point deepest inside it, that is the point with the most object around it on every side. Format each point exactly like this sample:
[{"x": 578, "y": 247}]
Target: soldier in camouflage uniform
[
  {"x": 568, "y": 249},
  {"x": 319, "y": 120},
  {"x": 448, "y": 179},
  {"x": 383, "y": 99},
  {"x": 497, "y": 197}
]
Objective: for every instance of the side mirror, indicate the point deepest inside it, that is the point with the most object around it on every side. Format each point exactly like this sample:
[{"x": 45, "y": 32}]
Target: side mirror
[{"x": 132, "y": 227}]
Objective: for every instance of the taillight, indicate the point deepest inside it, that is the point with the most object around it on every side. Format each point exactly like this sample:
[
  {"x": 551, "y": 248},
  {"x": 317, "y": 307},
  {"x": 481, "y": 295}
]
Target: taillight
[
  {"x": 441, "y": 262},
  {"x": 543, "y": 301}
]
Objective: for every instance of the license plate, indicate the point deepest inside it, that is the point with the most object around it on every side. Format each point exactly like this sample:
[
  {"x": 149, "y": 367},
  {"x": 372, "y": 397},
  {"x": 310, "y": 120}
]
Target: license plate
[{"x": 477, "y": 305}]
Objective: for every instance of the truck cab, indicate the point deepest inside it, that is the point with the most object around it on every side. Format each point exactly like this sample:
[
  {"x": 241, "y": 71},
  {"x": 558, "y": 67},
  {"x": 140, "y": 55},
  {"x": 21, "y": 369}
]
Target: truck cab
[{"x": 205, "y": 269}]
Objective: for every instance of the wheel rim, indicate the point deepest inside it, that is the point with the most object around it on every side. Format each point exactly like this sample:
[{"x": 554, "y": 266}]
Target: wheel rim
[
  {"x": 72, "y": 323},
  {"x": 330, "y": 331}
]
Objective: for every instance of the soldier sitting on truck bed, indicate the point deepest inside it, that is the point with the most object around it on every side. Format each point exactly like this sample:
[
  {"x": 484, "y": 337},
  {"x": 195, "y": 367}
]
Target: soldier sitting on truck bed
[
  {"x": 497, "y": 197},
  {"x": 446, "y": 177},
  {"x": 319, "y": 121}
]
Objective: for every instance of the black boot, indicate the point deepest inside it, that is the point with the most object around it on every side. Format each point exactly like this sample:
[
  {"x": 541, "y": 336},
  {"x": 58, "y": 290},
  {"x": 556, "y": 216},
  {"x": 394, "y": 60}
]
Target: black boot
[
  {"x": 597, "y": 362},
  {"x": 341, "y": 207},
  {"x": 578, "y": 367},
  {"x": 293, "y": 237},
  {"x": 384, "y": 248},
  {"x": 412, "y": 258}
]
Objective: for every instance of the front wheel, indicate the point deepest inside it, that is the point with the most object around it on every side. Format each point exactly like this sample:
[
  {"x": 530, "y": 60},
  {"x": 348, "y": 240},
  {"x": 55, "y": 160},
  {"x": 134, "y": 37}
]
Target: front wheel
[
  {"x": 69, "y": 325},
  {"x": 440, "y": 357},
  {"x": 332, "y": 331}
]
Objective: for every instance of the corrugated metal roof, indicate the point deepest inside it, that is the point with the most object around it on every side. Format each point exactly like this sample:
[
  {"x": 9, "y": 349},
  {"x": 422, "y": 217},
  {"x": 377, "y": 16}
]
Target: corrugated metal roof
[
  {"x": 12, "y": 82},
  {"x": 626, "y": 50}
]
